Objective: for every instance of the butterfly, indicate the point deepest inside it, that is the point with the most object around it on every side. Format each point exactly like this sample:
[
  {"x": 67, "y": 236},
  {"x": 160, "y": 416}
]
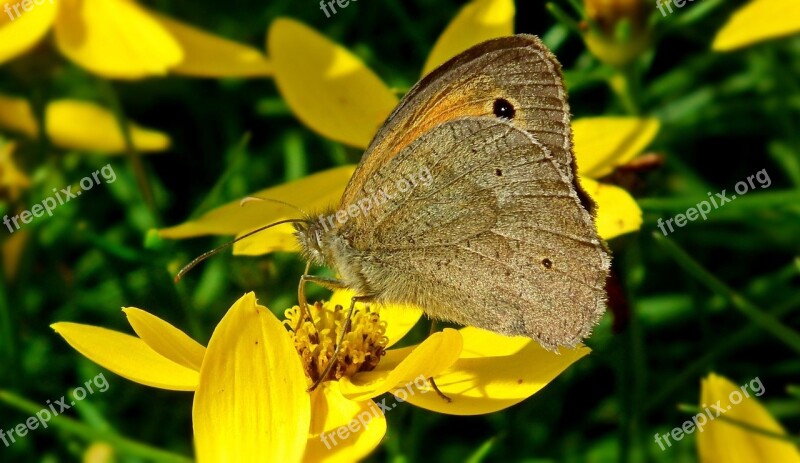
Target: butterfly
[{"x": 503, "y": 236}]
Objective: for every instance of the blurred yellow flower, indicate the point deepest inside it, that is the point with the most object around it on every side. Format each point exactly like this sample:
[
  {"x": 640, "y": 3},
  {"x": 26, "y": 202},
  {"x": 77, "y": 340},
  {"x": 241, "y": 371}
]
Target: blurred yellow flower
[
  {"x": 617, "y": 30},
  {"x": 724, "y": 442},
  {"x": 250, "y": 386},
  {"x": 334, "y": 93},
  {"x": 121, "y": 39},
  {"x": 79, "y": 125},
  {"x": 12, "y": 180},
  {"x": 99, "y": 452},
  {"x": 757, "y": 21}
]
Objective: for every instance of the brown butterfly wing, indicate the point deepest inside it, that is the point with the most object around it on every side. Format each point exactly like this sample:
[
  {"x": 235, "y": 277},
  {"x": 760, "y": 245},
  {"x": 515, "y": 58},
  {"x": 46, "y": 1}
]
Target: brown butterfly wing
[
  {"x": 517, "y": 69},
  {"x": 497, "y": 239}
]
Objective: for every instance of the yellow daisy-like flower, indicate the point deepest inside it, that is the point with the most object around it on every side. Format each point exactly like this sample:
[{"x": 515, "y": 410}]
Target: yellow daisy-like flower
[
  {"x": 250, "y": 383},
  {"x": 724, "y": 442},
  {"x": 121, "y": 39},
  {"x": 12, "y": 180},
  {"x": 758, "y": 21},
  {"x": 338, "y": 96},
  {"x": 79, "y": 125}
]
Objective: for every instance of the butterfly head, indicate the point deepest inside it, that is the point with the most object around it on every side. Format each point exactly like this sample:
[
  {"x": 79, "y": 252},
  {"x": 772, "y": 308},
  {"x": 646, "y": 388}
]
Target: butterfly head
[{"x": 311, "y": 237}]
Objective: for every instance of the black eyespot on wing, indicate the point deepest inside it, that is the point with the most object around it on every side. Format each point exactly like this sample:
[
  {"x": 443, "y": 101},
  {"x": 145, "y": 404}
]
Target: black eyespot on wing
[
  {"x": 503, "y": 108},
  {"x": 547, "y": 263},
  {"x": 498, "y": 172}
]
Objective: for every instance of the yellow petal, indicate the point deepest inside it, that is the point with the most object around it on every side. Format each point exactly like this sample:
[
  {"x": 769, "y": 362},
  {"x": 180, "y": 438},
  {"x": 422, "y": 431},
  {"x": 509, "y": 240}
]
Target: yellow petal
[
  {"x": 757, "y": 21},
  {"x": 310, "y": 194},
  {"x": 493, "y": 373},
  {"x": 722, "y": 442},
  {"x": 12, "y": 180},
  {"x": 127, "y": 356},
  {"x": 399, "y": 319},
  {"x": 617, "y": 212},
  {"x": 207, "y": 55},
  {"x": 165, "y": 339},
  {"x": 21, "y": 33},
  {"x": 328, "y": 88},
  {"x": 115, "y": 38},
  {"x": 602, "y": 143},
  {"x": 16, "y": 115},
  {"x": 400, "y": 367},
  {"x": 80, "y": 125},
  {"x": 251, "y": 404},
  {"x": 478, "y": 21},
  {"x": 342, "y": 430}
]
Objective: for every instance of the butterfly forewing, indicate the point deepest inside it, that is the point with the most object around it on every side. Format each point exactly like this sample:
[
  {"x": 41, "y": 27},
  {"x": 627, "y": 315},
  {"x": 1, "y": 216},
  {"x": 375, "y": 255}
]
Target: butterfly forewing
[{"x": 519, "y": 70}]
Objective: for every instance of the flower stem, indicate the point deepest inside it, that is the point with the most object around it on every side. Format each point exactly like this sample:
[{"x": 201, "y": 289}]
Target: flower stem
[
  {"x": 759, "y": 317},
  {"x": 625, "y": 85},
  {"x": 132, "y": 153},
  {"x": 74, "y": 427},
  {"x": 7, "y": 335}
]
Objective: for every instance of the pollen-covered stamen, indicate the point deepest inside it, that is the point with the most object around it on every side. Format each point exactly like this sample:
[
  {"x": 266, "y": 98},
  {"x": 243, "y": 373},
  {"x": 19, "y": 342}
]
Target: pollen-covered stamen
[{"x": 362, "y": 348}]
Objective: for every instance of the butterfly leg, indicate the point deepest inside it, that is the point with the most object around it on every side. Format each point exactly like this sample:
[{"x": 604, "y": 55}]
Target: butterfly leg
[
  {"x": 431, "y": 380},
  {"x": 345, "y": 329}
]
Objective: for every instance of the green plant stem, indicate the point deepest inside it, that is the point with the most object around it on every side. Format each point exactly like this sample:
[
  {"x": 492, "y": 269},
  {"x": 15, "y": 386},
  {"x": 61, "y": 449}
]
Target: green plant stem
[
  {"x": 131, "y": 152},
  {"x": 625, "y": 84},
  {"x": 563, "y": 17},
  {"x": 759, "y": 317},
  {"x": 7, "y": 334},
  {"x": 767, "y": 200},
  {"x": 74, "y": 427},
  {"x": 726, "y": 345}
]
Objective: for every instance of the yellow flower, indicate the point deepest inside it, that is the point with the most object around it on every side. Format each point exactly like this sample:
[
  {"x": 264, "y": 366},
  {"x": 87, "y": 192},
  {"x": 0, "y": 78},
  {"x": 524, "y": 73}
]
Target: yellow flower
[
  {"x": 617, "y": 31},
  {"x": 724, "y": 442},
  {"x": 757, "y": 21},
  {"x": 12, "y": 180},
  {"x": 121, "y": 39},
  {"x": 338, "y": 96},
  {"x": 250, "y": 402},
  {"x": 250, "y": 399},
  {"x": 79, "y": 125}
]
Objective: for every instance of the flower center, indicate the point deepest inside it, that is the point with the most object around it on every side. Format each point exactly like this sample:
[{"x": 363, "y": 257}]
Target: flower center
[{"x": 362, "y": 347}]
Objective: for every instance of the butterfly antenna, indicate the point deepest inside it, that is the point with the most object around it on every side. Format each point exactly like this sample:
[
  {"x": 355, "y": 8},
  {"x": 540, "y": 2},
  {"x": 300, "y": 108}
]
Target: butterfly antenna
[
  {"x": 250, "y": 199},
  {"x": 210, "y": 253}
]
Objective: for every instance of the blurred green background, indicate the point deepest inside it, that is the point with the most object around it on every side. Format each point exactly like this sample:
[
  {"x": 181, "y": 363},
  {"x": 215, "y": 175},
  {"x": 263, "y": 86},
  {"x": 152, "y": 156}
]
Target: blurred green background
[{"x": 685, "y": 305}]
